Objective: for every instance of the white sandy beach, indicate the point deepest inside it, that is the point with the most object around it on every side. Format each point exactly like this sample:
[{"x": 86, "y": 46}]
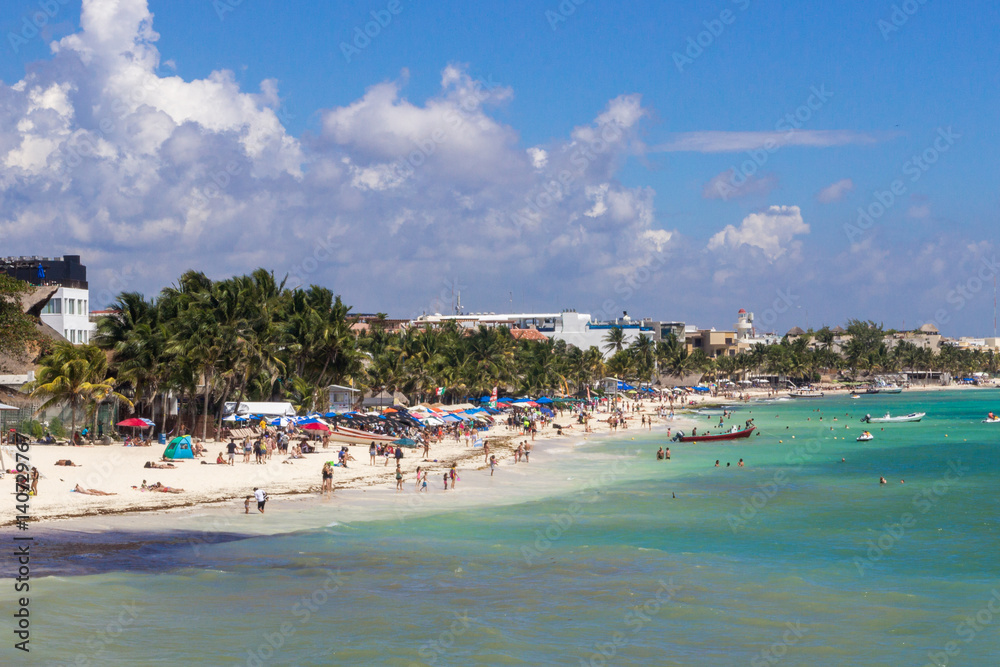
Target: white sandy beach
[{"x": 119, "y": 470}]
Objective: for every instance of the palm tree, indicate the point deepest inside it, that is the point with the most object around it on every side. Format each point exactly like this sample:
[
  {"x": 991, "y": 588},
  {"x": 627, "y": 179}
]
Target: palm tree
[
  {"x": 615, "y": 339},
  {"x": 74, "y": 375}
]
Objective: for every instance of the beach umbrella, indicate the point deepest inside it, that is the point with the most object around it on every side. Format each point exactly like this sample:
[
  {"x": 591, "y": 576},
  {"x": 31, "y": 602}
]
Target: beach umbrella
[
  {"x": 134, "y": 422},
  {"x": 544, "y": 400},
  {"x": 314, "y": 426},
  {"x": 406, "y": 442}
]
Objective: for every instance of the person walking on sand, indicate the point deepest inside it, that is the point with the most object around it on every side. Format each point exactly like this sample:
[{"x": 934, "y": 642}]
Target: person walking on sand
[
  {"x": 493, "y": 464},
  {"x": 34, "y": 480},
  {"x": 453, "y": 473},
  {"x": 527, "y": 451},
  {"x": 261, "y": 497},
  {"x": 486, "y": 449},
  {"x": 246, "y": 504},
  {"x": 419, "y": 475},
  {"x": 231, "y": 448},
  {"x": 399, "y": 478},
  {"x": 372, "y": 452},
  {"x": 446, "y": 481}
]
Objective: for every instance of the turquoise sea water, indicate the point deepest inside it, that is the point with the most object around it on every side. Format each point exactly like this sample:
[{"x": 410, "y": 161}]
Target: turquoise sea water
[{"x": 585, "y": 557}]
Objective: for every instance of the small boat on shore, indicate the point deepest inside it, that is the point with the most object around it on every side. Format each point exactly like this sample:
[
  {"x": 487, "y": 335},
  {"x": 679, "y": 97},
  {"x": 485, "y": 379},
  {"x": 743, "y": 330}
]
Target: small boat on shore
[
  {"x": 889, "y": 419},
  {"x": 712, "y": 437}
]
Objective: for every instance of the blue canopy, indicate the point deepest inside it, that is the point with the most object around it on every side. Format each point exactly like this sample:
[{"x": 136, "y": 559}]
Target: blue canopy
[
  {"x": 625, "y": 387},
  {"x": 544, "y": 400},
  {"x": 547, "y": 412}
]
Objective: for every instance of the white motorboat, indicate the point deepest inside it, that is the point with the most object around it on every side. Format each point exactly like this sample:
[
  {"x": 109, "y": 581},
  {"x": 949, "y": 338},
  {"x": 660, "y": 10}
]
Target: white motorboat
[
  {"x": 889, "y": 419},
  {"x": 804, "y": 392},
  {"x": 865, "y": 437},
  {"x": 991, "y": 420}
]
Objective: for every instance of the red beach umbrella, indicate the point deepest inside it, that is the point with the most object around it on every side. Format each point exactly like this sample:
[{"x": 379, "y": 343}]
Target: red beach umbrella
[
  {"x": 314, "y": 427},
  {"x": 134, "y": 422}
]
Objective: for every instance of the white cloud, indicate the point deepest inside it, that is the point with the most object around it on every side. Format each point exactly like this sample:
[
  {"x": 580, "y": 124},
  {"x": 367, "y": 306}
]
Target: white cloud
[
  {"x": 147, "y": 175},
  {"x": 835, "y": 191},
  {"x": 919, "y": 212},
  {"x": 772, "y": 232},
  {"x": 735, "y": 142}
]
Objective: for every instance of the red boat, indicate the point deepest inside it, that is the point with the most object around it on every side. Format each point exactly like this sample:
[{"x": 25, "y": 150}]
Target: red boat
[{"x": 719, "y": 436}]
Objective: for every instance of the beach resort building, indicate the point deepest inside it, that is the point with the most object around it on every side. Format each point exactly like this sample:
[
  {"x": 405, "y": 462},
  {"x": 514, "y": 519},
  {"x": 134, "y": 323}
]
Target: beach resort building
[
  {"x": 577, "y": 329},
  {"x": 68, "y": 310}
]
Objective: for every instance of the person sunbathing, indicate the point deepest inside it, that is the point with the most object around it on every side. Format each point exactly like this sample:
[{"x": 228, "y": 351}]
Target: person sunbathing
[
  {"x": 92, "y": 492},
  {"x": 66, "y": 462},
  {"x": 163, "y": 489},
  {"x": 219, "y": 460},
  {"x": 150, "y": 464},
  {"x": 296, "y": 453}
]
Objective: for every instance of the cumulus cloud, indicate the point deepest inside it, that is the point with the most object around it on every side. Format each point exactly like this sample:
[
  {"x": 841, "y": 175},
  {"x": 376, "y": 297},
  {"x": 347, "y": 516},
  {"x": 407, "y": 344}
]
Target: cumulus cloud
[
  {"x": 728, "y": 185},
  {"x": 772, "y": 232},
  {"x": 835, "y": 191},
  {"x": 147, "y": 175}
]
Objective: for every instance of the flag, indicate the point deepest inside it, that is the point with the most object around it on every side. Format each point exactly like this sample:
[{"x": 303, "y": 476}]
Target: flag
[
  {"x": 440, "y": 391},
  {"x": 493, "y": 398}
]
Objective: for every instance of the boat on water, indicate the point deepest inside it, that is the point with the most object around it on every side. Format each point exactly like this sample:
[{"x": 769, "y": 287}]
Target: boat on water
[
  {"x": 806, "y": 393},
  {"x": 991, "y": 419},
  {"x": 865, "y": 437},
  {"x": 883, "y": 387},
  {"x": 889, "y": 419},
  {"x": 712, "y": 437}
]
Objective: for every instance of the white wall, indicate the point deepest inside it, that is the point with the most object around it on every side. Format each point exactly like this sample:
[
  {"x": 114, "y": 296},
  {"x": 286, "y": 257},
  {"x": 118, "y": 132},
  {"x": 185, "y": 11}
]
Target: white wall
[{"x": 68, "y": 312}]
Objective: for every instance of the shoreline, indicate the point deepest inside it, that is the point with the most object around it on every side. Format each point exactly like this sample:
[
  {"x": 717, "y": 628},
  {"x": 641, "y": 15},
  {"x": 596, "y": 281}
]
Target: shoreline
[
  {"x": 116, "y": 469},
  {"x": 216, "y": 488}
]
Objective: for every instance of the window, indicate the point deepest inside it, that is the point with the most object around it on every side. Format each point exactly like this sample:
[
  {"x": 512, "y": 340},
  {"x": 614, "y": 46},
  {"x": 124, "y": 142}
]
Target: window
[
  {"x": 72, "y": 336},
  {"x": 85, "y": 311},
  {"x": 54, "y": 306},
  {"x": 70, "y": 306}
]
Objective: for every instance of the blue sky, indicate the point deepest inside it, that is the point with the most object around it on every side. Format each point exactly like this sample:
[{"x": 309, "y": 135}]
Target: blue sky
[{"x": 644, "y": 227}]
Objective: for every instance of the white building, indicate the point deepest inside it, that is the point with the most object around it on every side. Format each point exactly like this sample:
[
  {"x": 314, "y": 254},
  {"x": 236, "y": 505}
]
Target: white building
[
  {"x": 577, "y": 329},
  {"x": 68, "y": 312}
]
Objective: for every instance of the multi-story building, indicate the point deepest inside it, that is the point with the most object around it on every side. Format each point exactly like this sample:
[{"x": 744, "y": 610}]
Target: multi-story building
[
  {"x": 577, "y": 329},
  {"x": 68, "y": 311}
]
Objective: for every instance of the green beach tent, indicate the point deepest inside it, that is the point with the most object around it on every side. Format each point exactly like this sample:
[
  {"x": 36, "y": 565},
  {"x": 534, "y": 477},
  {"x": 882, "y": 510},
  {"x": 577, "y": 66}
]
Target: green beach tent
[{"x": 179, "y": 448}]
